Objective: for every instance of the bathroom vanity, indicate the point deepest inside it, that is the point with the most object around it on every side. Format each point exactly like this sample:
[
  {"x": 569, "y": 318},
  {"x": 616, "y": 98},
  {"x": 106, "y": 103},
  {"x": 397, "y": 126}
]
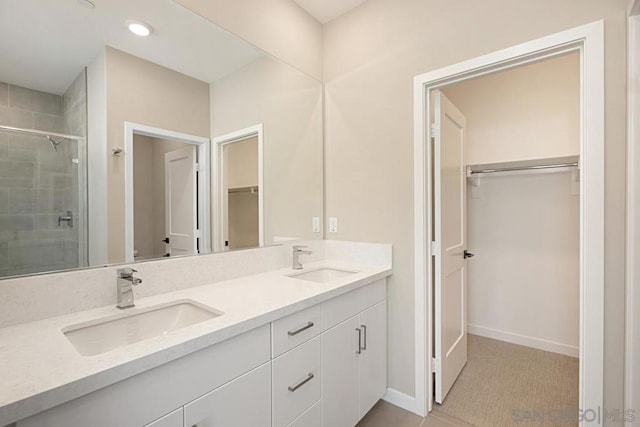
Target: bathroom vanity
[{"x": 280, "y": 348}]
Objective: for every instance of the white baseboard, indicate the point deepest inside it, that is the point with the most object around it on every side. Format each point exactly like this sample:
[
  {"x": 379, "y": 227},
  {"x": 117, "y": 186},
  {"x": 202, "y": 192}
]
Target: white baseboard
[
  {"x": 540, "y": 344},
  {"x": 401, "y": 400}
]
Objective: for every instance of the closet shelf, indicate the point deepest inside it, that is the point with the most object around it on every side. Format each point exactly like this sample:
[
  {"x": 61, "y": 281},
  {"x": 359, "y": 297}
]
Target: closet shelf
[
  {"x": 534, "y": 166},
  {"x": 537, "y": 165}
]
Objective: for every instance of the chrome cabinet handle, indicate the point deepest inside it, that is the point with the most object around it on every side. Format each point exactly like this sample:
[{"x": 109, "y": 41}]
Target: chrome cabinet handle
[
  {"x": 293, "y": 388},
  {"x": 359, "y": 350},
  {"x": 364, "y": 330},
  {"x": 304, "y": 328}
]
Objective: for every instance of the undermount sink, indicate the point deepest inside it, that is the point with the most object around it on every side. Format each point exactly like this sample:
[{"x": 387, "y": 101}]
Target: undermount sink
[
  {"x": 322, "y": 275},
  {"x": 102, "y": 335}
]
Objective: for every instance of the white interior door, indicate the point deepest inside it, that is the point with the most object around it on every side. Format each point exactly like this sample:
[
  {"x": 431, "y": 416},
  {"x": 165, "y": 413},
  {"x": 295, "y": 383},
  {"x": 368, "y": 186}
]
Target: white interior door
[
  {"x": 181, "y": 201},
  {"x": 449, "y": 247}
]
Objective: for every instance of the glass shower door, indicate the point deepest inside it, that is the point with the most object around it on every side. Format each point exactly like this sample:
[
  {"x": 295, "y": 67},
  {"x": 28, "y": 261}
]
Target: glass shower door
[{"x": 42, "y": 188}]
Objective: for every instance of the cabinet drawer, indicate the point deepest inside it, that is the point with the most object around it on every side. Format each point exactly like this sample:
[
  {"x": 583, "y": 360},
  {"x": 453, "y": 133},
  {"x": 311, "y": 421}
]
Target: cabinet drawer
[
  {"x": 245, "y": 401},
  {"x": 174, "y": 419},
  {"x": 345, "y": 306},
  {"x": 296, "y": 382},
  {"x": 295, "y": 329},
  {"x": 311, "y": 418}
]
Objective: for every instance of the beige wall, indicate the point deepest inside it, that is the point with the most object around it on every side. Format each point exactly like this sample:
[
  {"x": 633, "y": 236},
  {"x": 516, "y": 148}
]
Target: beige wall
[
  {"x": 531, "y": 112},
  {"x": 279, "y": 27},
  {"x": 289, "y": 105},
  {"x": 242, "y": 163},
  {"x": 143, "y": 208},
  {"x": 141, "y": 92},
  {"x": 370, "y": 58}
]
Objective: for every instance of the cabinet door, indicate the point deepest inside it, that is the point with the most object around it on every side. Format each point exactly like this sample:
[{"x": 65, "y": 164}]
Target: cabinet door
[
  {"x": 245, "y": 401},
  {"x": 373, "y": 360},
  {"x": 174, "y": 419},
  {"x": 340, "y": 374}
]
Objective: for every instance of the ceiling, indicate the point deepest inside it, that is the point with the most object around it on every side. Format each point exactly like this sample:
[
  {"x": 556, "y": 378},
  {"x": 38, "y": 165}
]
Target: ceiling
[
  {"x": 328, "y": 10},
  {"x": 44, "y": 44}
]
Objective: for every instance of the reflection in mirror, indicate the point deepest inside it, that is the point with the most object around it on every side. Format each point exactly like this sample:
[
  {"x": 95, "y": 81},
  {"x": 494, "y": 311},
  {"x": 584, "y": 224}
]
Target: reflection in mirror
[
  {"x": 79, "y": 188},
  {"x": 241, "y": 196}
]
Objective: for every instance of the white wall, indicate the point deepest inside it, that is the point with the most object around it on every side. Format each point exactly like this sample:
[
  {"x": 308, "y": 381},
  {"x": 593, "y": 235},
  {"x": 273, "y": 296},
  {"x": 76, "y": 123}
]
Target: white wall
[
  {"x": 279, "y": 27},
  {"x": 289, "y": 105},
  {"x": 371, "y": 55},
  {"x": 523, "y": 283},
  {"x": 531, "y": 112}
]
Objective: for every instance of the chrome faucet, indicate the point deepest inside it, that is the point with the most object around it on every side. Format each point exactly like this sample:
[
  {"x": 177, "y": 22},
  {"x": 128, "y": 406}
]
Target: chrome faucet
[
  {"x": 297, "y": 251},
  {"x": 126, "y": 282}
]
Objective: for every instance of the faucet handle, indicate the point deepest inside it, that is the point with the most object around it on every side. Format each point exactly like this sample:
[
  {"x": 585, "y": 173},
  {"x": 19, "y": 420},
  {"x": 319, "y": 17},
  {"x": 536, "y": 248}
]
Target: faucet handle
[
  {"x": 126, "y": 273},
  {"x": 299, "y": 247}
]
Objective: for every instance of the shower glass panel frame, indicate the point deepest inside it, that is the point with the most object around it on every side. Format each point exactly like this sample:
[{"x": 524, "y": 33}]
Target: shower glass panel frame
[{"x": 44, "y": 187}]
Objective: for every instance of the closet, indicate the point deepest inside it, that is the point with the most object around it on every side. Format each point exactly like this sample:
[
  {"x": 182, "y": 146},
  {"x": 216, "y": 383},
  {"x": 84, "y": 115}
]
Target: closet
[{"x": 520, "y": 280}]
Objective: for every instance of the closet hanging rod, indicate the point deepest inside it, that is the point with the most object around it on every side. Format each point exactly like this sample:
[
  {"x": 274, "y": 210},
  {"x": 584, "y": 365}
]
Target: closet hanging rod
[
  {"x": 523, "y": 168},
  {"x": 252, "y": 190},
  {"x": 39, "y": 133}
]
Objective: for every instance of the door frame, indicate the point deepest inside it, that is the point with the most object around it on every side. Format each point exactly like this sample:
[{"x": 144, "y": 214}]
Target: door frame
[
  {"x": 588, "y": 40},
  {"x": 632, "y": 331},
  {"x": 204, "y": 178},
  {"x": 219, "y": 143}
]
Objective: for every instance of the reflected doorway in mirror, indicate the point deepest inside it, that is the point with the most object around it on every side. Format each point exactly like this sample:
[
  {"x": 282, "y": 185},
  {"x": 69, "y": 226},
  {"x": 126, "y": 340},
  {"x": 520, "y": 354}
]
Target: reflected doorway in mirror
[
  {"x": 238, "y": 214},
  {"x": 166, "y": 193}
]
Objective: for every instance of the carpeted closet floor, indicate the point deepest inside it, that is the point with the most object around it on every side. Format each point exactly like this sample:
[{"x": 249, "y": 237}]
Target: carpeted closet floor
[{"x": 506, "y": 384}]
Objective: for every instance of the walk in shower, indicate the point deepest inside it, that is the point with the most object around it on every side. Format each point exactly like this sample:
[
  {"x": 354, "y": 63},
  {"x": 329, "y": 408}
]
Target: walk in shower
[{"x": 42, "y": 179}]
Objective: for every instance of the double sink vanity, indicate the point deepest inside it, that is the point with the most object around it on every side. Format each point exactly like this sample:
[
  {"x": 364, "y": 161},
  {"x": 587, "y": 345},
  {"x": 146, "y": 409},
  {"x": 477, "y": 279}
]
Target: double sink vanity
[{"x": 282, "y": 347}]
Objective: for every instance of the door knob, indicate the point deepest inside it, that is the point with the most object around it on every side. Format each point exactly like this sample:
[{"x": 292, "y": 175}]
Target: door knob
[{"x": 468, "y": 254}]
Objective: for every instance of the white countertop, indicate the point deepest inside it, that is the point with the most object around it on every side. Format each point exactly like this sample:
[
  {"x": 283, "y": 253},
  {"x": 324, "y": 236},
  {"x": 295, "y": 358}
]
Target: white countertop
[{"x": 40, "y": 368}]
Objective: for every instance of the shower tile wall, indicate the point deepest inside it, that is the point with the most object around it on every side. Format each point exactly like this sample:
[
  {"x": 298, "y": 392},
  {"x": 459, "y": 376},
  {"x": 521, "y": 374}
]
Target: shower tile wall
[{"x": 37, "y": 183}]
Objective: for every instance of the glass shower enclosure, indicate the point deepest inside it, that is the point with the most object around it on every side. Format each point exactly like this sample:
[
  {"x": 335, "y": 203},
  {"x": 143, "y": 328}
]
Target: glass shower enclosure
[{"x": 43, "y": 224}]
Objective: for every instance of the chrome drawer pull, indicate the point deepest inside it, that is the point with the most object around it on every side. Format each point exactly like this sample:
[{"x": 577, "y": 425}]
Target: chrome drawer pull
[
  {"x": 293, "y": 388},
  {"x": 304, "y": 328},
  {"x": 364, "y": 330}
]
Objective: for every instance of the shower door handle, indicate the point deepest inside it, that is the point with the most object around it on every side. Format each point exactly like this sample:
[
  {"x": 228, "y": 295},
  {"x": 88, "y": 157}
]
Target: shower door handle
[{"x": 68, "y": 218}]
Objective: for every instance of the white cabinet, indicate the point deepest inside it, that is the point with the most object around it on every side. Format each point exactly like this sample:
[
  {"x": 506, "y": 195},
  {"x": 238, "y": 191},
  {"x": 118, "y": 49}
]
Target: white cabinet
[
  {"x": 174, "y": 419},
  {"x": 340, "y": 375},
  {"x": 373, "y": 359},
  {"x": 245, "y": 401},
  {"x": 354, "y": 367}
]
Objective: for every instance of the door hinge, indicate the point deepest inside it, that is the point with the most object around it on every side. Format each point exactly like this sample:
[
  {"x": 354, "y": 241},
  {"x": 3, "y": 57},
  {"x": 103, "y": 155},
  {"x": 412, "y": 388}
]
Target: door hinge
[
  {"x": 435, "y": 365},
  {"x": 435, "y": 248},
  {"x": 197, "y": 167},
  {"x": 435, "y": 128}
]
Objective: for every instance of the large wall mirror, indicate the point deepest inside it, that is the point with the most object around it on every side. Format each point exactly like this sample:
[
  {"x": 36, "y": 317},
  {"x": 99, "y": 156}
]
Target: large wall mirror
[{"x": 119, "y": 147}]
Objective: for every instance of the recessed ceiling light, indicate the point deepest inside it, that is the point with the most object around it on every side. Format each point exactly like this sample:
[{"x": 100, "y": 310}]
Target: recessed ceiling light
[
  {"x": 86, "y": 3},
  {"x": 139, "y": 28}
]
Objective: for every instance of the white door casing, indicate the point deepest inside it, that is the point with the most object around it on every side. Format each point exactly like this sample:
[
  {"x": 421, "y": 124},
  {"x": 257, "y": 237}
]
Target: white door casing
[
  {"x": 203, "y": 146},
  {"x": 219, "y": 190},
  {"x": 181, "y": 201},
  {"x": 588, "y": 40},
  {"x": 450, "y": 186}
]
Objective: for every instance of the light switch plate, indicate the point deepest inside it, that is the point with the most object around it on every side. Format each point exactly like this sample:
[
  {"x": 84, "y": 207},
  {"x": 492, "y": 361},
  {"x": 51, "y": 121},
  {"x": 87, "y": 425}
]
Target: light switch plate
[
  {"x": 316, "y": 224},
  {"x": 333, "y": 224}
]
